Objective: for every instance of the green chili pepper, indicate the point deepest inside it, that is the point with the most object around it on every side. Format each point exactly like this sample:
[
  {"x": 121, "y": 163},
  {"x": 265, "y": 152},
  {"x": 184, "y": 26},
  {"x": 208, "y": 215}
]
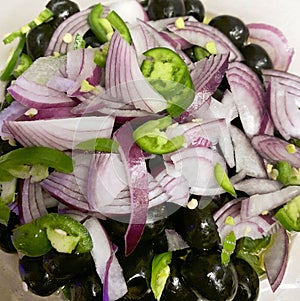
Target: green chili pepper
[
  {"x": 10, "y": 66},
  {"x": 36, "y": 155},
  {"x": 52, "y": 230},
  {"x": 170, "y": 76},
  {"x": 99, "y": 144},
  {"x": 22, "y": 65},
  {"x": 223, "y": 180},
  {"x": 43, "y": 16},
  {"x": 150, "y": 138},
  {"x": 97, "y": 27},
  {"x": 160, "y": 273},
  {"x": 289, "y": 215},
  {"x": 118, "y": 24},
  {"x": 200, "y": 53},
  {"x": 286, "y": 174},
  {"x": 228, "y": 247}
]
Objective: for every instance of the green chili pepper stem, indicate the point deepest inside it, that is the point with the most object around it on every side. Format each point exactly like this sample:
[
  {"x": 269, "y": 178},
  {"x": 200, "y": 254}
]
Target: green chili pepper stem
[{"x": 10, "y": 66}]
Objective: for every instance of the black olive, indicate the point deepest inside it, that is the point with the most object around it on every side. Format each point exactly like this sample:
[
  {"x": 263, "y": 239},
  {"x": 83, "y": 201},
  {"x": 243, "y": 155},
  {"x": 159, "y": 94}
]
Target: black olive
[
  {"x": 248, "y": 281},
  {"x": 6, "y": 244},
  {"x": 197, "y": 227},
  {"x": 160, "y": 9},
  {"x": 208, "y": 277},
  {"x": 256, "y": 57},
  {"x": 87, "y": 287},
  {"x": 194, "y": 8},
  {"x": 62, "y": 9},
  {"x": 232, "y": 27},
  {"x": 35, "y": 276},
  {"x": 66, "y": 266},
  {"x": 176, "y": 289},
  {"x": 91, "y": 40},
  {"x": 137, "y": 270},
  {"x": 38, "y": 39}
]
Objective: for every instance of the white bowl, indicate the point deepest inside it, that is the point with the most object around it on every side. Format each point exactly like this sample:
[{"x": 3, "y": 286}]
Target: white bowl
[{"x": 281, "y": 13}]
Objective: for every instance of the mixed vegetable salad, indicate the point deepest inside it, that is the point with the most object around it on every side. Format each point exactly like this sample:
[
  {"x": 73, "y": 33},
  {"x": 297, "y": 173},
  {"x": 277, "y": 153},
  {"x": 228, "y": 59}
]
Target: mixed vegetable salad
[{"x": 153, "y": 157}]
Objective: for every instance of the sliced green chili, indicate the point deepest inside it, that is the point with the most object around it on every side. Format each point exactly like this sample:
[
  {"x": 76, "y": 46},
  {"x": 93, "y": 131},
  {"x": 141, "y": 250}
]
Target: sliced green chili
[
  {"x": 228, "y": 247},
  {"x": 99, "y": 144},
  {"x": 150, "y": 137},
  {"x": 43, "y": 16},
  {"x": 118, "y": 24},
  {"x": 36, "y": 155},
  {"x": 10, "y": 66},
  {"x": 94, "y": 20},
  {"x": 289, "y": 215},
  {"x": 23, "y": 64},
  {"x": 223, "y": 180}
]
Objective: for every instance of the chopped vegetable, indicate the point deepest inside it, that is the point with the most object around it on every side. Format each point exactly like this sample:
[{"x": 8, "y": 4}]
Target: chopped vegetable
[
  {"x": 223, "y": 179},
  {"x": 228, "y": 247},
  {"x": 160, "y": 273}
]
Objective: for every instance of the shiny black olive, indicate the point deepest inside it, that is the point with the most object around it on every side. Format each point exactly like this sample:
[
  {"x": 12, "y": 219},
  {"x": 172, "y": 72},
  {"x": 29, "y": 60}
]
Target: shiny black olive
[
  {"x": 91, "y": 40},
  {"x": 160, "y": 9},
  {"x": 87, "y": 287},
  {"x": 194, "y": 8},
  {"x": 232, "y": 27},
  {"x": 208, "y": 277},
  {"x": 35, "y": 276},
  {"x": 66, "y": 266},
  {"x": 62, "y": 9},
  {"x": 6, "y": 244},
  {"x": 137, "y": 270},
  {"x": 176, "y": 289},
  {"x": 37, "y": 40},
  {"x": 197, "y": 227},
  {"x": 256, "y": 57},
  {"x": 248, "y": 281}
]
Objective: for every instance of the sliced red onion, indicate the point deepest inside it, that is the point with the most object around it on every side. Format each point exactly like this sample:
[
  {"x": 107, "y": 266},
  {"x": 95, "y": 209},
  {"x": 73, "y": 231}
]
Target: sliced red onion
[
  {"x": 107, "y": 265},
  {"x": 253, "y": 186},
  {"x": 216, "y": 131},
  {"x": 63, "y": 134},
  {"x": 106, "y": 179},
  {"x": 175, "y": 241},
  {"x": 197, "y": 166},
  {"x": 125, "y": 81},
  {"x": 200, "y": 34},
  {"x": 255, "y": 227},
  {"x": 246, "y": 158},
  {"x": 276, "y": 257},
  {"x": 31, "y": 202},
  {"x": 12, "y": 112},
  {"x": 283, "y": 108},
  {"x": 249, "y": 96},
  {"x": 208, "y": 73},
  {"x": 259, "y": 203},
  {"x": 137, "y": 177},
  {"x": 274, "y": 149},
  {"x": 75, "y": 24},
  {"x": 274, "y": 42}
]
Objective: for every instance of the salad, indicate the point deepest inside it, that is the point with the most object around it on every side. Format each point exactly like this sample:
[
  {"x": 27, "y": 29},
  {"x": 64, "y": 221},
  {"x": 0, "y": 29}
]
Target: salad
[{"x": 159, "y": 152}]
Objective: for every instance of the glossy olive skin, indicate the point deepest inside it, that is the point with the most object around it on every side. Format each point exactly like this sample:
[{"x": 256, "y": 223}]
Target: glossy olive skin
[
  {"x": 37, "y": 40},
  {"x": 194, "y": 8},
  {"x": 35, "y": 276},
  {"x": 160, "y": 9},
  {"x": 66, "y": 266},
  {"x": 232, "y": 27},
  {"x": 176, "y": 289},
  {"x": 87, "y": 287},
  {"x": 62, "y": 9},
  {"x": 197, "y": 227},
  {"x": 6, "y": 244},
  {"x": 256, "y": 57},
  {"x": 248, "y": 281},
  {"x": 137, "y": 270},
  {"x": 211, "y": 279}
]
